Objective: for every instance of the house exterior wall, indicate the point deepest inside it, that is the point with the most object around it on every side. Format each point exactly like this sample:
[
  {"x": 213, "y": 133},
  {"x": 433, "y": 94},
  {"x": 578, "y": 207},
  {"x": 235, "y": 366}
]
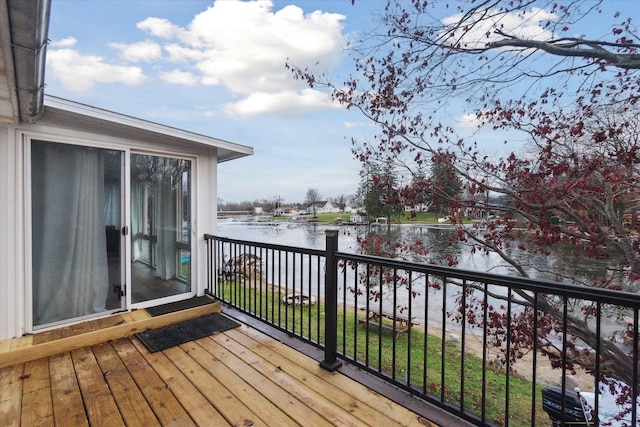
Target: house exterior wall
[
  {"x": 11, "y": 242},
  {"x": 328, "y": 207},
  {"x": 288, "y": 211},
  {"x": 14, "y": 223}
]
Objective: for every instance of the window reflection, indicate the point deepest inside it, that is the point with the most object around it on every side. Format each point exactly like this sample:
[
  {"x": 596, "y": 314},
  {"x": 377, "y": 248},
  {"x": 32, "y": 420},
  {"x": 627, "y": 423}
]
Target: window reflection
[{"x": 160, "y": 225}]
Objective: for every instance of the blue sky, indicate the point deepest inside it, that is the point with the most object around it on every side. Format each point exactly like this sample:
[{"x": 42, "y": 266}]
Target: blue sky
[{"x": 217, "y": 68}]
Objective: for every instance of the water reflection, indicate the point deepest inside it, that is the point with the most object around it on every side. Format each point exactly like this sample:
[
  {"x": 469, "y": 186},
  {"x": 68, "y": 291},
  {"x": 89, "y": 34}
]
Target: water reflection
[{"x": 561, "y": 264}]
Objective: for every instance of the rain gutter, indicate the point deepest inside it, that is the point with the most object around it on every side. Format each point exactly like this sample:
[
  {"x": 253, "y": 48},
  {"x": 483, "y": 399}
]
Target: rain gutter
[{"x": 29, "y": 23}]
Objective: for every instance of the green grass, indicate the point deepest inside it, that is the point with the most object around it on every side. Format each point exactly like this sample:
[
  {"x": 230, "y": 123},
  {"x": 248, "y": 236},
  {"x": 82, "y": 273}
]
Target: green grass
[
  {"x": 328, "y": 217},
  {"x": 421, "y": 217},
  {"x": 405, "y": 218},
  {"x": 409, "y": 360}
]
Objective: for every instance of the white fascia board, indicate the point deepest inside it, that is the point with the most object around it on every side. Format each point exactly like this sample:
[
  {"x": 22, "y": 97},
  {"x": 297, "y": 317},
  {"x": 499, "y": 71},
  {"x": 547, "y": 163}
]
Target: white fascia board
[{"x": 231, "y": 150}]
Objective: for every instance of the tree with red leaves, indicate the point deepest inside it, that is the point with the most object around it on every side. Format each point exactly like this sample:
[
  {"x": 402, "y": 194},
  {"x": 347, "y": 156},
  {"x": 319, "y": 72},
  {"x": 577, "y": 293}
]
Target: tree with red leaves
[{"x": 518, "y": 69}]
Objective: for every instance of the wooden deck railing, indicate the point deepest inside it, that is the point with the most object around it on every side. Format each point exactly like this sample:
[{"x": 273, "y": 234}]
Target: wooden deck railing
[{"x": 491, "y": 349}]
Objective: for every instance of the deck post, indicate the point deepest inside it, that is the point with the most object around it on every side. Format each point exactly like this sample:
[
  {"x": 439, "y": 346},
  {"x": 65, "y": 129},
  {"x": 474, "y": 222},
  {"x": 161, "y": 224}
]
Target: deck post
[{"x": 331, "y": 362}]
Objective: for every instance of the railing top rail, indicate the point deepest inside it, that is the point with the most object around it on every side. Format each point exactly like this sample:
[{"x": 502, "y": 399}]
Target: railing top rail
[
  {"x": 602, "y": 295},
  {"x": 284, "y": 248},
  {"x": 606, "y": 296}
]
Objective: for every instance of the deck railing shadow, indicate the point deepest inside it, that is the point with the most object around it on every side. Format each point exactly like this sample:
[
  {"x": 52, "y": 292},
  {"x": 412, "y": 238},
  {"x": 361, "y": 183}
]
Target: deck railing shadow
[{"x": 481, "y": 346}]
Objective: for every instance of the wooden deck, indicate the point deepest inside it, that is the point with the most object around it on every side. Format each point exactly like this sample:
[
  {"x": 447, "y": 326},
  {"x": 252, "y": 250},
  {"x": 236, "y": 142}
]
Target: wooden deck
[{"x": 240, "y": 377}]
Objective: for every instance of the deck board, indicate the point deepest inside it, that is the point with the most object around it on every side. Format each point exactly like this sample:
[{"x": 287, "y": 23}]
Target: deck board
[
  {"x": 201, "y": 411},
  {"x": 231, "y": 407},
  {"x": 240, "y": 377},
  {"x": 37, "y": 407},
  {"x": 320, "y": 381},
  {"x": 11, "y": 384},
  {"x": 99, "y": 402},
  {"x": 309, "y": 398},
  {"x": 163, "y": 403},
  {"x": 132, "y": 405},
  {"x": 374, "y": 403},
  {"x": 68, "y": 406},
  {"x": 241, "y": 382}
]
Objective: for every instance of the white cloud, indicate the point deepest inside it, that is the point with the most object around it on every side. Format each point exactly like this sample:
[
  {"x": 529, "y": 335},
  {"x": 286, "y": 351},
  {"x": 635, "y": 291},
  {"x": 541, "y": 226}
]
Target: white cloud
[
  {"x": 526, "y": 25},
  {"x": 179, "y": 77},
  {"x": 179, "y": 53},
  {"x": 240, "y": 45},
  {"x": 159, "y": 27},
  {"x": 79, "y": 73},
  {"x": 283, "y": 103},
  {"x": 245, "y": 45},
  {"x": 66, "y": 42},
  {"x": 145, "y": 51},
  {"x": 352, "y": 125},
  {"x": 470, "y": 120}
]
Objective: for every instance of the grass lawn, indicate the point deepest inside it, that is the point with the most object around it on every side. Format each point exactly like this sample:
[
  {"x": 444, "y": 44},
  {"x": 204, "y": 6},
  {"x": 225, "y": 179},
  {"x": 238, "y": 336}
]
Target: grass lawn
[{"x": 423, "y": 369}]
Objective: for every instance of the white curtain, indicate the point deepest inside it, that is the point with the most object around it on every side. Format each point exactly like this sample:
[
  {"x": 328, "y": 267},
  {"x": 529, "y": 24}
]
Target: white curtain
[
  {"x": 70, "y": 267},
  {"x": 165, "y": 220},
  {"x": 137, "y": 218},
  {"x": 112, "y": 203}
]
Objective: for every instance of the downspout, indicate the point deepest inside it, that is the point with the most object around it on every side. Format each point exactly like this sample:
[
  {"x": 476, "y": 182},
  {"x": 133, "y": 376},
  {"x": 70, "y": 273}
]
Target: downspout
[{"x": 29, "y": 22}]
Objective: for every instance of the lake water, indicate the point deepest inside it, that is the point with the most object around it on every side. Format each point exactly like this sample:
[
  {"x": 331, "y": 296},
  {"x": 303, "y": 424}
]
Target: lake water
[{"x": 561, "y": 262}]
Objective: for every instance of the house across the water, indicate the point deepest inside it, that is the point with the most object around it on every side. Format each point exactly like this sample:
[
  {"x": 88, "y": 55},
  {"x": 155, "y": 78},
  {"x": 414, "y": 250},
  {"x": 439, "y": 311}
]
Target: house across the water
[{"x": 100, "y": 212}]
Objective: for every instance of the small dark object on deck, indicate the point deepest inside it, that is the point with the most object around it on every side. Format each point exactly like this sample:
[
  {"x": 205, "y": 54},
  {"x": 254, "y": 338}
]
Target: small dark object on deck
[{"x": 182, "y": 332}]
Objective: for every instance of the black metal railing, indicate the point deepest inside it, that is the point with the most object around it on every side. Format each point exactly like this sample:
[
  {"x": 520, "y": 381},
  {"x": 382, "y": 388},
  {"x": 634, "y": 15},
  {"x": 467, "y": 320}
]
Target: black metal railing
[
  {"x": 280, "y": 285},
  {"x": 491, "y": 349}
]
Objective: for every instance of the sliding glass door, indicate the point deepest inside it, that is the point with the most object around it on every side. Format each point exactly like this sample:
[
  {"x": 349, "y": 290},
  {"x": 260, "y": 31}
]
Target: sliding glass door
[
  {"x": 79, "y": 265},
  {"x": 160, "y": 227},
  {"x": 76, "y": 216}
]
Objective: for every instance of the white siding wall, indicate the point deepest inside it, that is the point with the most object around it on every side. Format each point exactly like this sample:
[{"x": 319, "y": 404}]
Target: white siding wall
[
  {"x": 11, "y": 235},
  {"x": 6, "y": 235},
  {"x": 206, "y": 202}
]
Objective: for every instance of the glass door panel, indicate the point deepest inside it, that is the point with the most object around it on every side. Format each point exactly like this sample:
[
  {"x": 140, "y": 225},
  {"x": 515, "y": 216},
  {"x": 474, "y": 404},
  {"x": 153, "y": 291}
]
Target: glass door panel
[
  {"x": 160, "y": 227},
  {"x": 76, "y": 220}
]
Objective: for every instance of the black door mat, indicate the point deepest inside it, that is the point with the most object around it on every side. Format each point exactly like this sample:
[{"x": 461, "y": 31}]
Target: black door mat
[
  {"x": 179, "y": 305},
  {"x": 182, "y": 332}
]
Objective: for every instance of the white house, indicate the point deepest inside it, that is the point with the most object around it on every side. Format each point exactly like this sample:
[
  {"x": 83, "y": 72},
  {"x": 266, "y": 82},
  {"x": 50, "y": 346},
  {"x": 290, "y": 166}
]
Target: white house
[
  {"x": 286, "y": 211},
  {"x": 324, "y": 207},
  {"x": 99, "y": 212},
  {"x": 356, "y": 218}
]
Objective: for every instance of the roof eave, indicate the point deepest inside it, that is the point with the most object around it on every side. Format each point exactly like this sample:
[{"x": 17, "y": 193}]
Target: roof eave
[{"x": 226, "y": 150}]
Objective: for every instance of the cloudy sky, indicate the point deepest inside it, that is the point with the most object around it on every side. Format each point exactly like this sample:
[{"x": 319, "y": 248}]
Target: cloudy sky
[{"x": 218, "y": 68}]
